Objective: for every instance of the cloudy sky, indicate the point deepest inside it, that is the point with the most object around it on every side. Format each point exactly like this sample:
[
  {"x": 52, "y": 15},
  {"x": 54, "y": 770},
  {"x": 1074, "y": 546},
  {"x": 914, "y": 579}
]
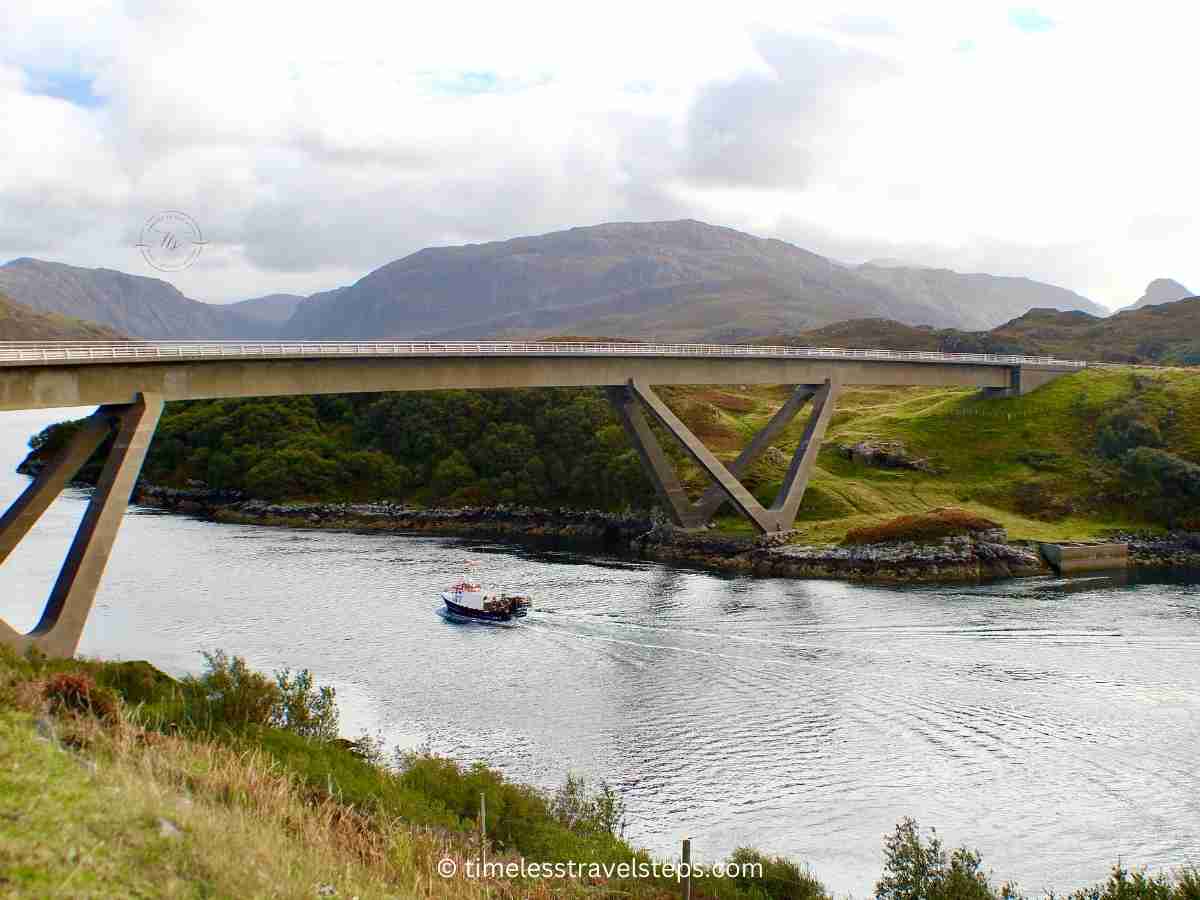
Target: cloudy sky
[{"x": 314, "y": 142}]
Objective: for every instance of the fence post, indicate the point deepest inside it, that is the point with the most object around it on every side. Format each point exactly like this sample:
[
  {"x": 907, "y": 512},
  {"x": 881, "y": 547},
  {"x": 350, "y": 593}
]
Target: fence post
[
  {"x": 687, "y": 871},
  {"x": 482, "y": 831}
]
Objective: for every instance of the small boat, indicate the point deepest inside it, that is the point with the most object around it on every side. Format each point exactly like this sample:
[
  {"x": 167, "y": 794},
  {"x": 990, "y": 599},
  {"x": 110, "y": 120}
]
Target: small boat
[{"x": 469, "y": 600}]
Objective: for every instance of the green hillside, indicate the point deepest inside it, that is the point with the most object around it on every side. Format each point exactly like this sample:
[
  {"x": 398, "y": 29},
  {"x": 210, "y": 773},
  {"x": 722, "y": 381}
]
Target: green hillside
[
  {"x": 20, "y": 323},
  {"x": 1104, "y": 448},
  {"x": 1163, "y": 334},
  {"x": 1039, "y": 464}
]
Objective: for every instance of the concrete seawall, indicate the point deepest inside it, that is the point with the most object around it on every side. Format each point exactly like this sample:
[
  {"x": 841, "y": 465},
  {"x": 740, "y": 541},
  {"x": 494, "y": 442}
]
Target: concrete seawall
[{"x": 1082, "y": 556}]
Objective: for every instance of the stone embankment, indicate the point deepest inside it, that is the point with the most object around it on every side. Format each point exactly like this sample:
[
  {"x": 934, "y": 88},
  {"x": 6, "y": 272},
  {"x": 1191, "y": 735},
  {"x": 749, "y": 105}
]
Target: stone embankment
[
  {"x": 984, "y": 555},
  {"x": 500, "y": 520},
  {"x": 1176, "y": 549},
  {"x": 967, "y": 558}
]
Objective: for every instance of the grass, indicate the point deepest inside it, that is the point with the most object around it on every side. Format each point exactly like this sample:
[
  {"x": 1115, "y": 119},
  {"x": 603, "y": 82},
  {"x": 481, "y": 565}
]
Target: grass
[
  {"x": 135, "y": 803},
  {"x": 105, "y": 806},
  {"x": 993, "y": 454}
]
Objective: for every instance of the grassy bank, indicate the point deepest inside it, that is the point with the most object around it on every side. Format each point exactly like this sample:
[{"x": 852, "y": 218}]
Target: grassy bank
[
  {"x": 1037, "y": 464},
  {"x": 116, "y": 780}
]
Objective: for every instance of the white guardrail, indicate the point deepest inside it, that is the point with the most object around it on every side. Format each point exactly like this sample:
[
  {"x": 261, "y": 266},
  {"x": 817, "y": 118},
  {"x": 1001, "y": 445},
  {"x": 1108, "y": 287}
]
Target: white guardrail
[{"x": 84, "y": 352}]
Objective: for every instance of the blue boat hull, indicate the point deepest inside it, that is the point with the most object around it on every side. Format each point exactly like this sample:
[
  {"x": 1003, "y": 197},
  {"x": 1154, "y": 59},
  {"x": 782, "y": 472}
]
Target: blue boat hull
[{"x": 484, "y": 615}]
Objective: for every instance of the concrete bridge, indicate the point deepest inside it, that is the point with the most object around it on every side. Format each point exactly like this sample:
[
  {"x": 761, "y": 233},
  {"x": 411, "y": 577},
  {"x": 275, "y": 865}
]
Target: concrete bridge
[{"x": 129, "y": 382}]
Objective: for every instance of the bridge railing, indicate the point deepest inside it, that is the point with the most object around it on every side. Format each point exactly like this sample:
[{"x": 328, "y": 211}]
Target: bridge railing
[{"x": 83, "y": 352}]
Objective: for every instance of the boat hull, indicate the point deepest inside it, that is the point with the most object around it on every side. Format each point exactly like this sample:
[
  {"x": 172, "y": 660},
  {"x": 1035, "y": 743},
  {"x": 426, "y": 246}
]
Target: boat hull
[{"x": 482, "y": 614}]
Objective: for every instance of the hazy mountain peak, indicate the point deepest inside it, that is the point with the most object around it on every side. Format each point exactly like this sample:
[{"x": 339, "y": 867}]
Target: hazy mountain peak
[
  {"x": 132, "y": 304},
  {"x": 1161, "y": 290}
]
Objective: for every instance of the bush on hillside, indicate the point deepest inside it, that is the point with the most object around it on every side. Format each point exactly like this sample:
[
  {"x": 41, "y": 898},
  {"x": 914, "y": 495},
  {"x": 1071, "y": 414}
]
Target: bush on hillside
[
  {"x": 931, "y": 526},
  {"x": 781, "y": 878},
  {"x": 77, "y": 692},
  {"x": 304, "y": 708},
  {"x": 1039, "y": 500},
  {"x": 921, "y": 869},
  {"x": 1166, "y": 483},
  {"x": 1128, "y": 426},
  {"x": 229, "y": 695},
  {"x": 583, "y": 810}
]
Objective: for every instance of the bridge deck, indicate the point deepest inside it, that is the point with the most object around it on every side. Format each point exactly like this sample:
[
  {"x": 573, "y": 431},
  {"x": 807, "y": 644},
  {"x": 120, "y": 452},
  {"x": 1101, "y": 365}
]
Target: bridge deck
[
  {"x": 20, "y": 353},
  {"x": 42, "y": 375}
]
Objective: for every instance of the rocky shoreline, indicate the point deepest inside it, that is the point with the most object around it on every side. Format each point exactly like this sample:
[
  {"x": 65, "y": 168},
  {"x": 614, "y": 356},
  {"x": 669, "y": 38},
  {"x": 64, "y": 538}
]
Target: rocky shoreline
[{"x": 982, "y": 556}]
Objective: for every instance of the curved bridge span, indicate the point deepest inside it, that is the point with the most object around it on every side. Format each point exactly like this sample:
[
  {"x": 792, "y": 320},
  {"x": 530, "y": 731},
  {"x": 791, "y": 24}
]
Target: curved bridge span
[
  {"x": 41, "y": 375},
  {"x": 130, "y": 381}
]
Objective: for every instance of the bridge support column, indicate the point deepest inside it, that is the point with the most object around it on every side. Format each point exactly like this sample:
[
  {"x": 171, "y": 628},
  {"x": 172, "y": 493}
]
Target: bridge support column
[
  {"x": 654, "y": 460},
  {"x": 58, "y": 631},
  {"x": 782, "y": 513}
]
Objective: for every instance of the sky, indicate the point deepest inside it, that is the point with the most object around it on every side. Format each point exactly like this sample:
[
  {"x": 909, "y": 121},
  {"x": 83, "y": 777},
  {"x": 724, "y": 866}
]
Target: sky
[{"x": 312, "y": 143}]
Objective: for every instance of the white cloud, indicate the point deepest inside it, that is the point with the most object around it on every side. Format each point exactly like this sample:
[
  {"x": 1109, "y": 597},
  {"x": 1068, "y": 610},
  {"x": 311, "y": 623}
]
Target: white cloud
[{"x": 312, "y": 146}]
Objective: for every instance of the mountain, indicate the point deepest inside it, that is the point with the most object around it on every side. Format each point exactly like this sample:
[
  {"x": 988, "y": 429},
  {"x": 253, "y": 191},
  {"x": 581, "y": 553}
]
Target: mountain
[
  {"x": 1160, "y": 290},
  {"x": 131, "y": 304},
  {"x": 1164, "y": 334},
  {"x": 20, "y": 323},
  {"x": 273, "y": 309},
  {"x": 975, "y": 301},
  {"x": 682, "y": 280}
]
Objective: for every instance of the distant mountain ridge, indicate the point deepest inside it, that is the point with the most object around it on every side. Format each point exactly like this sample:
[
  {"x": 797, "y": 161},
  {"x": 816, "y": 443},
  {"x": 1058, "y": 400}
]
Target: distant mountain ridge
[
  {"x": 1160, "y": 290},
  {"x": 20, "y": 323},
  {"x": 976, "y": 300},
  {"x": 680, "y": 280},
  {"x": 1163, "y": 334},
  {"x": 273, "y": 309},
  {"x": 131, "y": 304}
]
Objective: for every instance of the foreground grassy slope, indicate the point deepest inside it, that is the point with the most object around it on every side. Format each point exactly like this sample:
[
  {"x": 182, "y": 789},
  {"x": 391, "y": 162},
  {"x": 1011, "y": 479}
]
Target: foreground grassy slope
[
  {"x": 1031, "y": 463},
  {"x": 118, "y": 781},
  {"x": 100, "y": 796}
]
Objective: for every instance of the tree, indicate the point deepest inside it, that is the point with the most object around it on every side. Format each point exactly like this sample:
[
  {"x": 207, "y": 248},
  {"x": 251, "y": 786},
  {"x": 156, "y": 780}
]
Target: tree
[{"x": 915, "y": 869}]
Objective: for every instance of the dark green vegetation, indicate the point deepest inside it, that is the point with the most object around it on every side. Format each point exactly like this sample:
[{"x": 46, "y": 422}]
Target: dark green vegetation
[
  {"x": 1162, "y": 334},
  {"x": 20, "y": 323},
  {"x": 1105, "y": 448},
  {"x": 559, "y": 447},
  {"x": 235, "y": 756}
]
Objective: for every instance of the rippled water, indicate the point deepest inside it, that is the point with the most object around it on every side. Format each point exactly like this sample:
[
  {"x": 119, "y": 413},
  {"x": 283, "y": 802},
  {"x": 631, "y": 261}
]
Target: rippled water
[{"x": 1052, "y": 724}]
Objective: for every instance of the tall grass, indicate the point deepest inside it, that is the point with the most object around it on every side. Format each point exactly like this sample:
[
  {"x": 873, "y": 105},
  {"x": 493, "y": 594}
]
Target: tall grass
[{"x": 185, "y": 792}]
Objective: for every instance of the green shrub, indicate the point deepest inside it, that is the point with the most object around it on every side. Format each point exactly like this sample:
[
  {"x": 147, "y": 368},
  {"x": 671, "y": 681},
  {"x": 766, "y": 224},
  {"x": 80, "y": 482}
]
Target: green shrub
[
  {"x": 303, "y": 708},
  {"x": 585, "y": 811},
  {"x": 1132, "y": 424},
  {"x": 781, "y": 878},
  {"x": 1166, "y": 483},
  {"x": 231, "y": 694},
  {"x": 917, "y": 869}
]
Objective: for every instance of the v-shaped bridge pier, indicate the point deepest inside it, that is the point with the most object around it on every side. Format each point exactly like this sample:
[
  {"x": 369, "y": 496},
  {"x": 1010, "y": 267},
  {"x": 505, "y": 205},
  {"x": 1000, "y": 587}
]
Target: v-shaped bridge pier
[
  {"x": 58, "y": 631},
  {"x": 781, "y": 514}
]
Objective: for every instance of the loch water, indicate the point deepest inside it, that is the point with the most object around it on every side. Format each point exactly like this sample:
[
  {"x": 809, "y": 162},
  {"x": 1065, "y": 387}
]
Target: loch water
[{"x": 1051, "y": 723}]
